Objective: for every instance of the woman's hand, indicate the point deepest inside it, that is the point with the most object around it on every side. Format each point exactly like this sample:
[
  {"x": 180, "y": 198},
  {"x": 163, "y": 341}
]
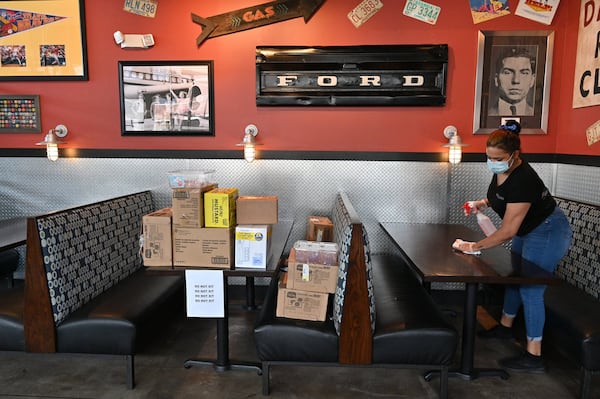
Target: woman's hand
[
  {"x": 465, "y": 246},
  {"x": 474, "y": 206}
]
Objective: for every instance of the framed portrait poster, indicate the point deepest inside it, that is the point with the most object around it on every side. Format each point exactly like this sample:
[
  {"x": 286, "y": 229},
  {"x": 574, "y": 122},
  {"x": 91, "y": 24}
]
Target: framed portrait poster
[
  {"x": 166, "y": 98},
  {"x": 43, "y": 40},
  {"x": 513, "y": 80}
]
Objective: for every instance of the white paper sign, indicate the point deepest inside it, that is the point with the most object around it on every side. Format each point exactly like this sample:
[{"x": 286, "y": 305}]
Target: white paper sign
[
  {"x": 145, "y": 8},
  {"x": 422, "y": 11},
  {"x": 204, "y": 293},
  {"x": 587, "y": 65},
  {"x": 538, "y": 10},
  {"x": 365, "y": 10}
]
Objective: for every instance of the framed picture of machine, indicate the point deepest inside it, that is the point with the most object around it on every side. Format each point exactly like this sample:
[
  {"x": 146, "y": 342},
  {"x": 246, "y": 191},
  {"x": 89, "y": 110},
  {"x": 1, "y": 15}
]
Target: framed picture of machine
[
  {"x": 43, "y": 40},
  {"x": 166, "y": 98},
  {"x": 513, "y": 77}
]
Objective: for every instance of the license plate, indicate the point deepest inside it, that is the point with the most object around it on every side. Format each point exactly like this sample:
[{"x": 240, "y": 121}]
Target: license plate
[
  {"x": 146, "y": 8},
  {"x": 365, "y": 10},
  {"x": 422, "y": 11}
]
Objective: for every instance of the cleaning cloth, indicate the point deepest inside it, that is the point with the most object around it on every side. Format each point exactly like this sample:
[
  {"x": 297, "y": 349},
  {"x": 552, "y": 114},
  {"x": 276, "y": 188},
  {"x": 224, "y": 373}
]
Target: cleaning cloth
[{"x": 458, "y": 242}]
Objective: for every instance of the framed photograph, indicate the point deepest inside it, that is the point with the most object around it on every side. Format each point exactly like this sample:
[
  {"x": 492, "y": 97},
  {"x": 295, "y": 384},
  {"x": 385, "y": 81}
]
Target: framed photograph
[
  {"x": 43, "y": 40},
  {"x": 20, "y": 114},
  {"x": 513, "y": 80},
  {"x": 166, "y": 98}
]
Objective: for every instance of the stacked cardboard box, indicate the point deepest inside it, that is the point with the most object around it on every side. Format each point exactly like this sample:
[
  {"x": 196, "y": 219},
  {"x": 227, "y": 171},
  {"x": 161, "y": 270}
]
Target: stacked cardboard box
[
  {"x": 194, "y": 244},
  {"x": 312, "y": 275},
  {"x": 158, "y": 241},
  {"x": 320, "y": 228},
  {"x": 255, "y": 216}
]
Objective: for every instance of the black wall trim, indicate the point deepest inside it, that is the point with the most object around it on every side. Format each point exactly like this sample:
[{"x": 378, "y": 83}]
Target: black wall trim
[{"x": 584, "y": 160}]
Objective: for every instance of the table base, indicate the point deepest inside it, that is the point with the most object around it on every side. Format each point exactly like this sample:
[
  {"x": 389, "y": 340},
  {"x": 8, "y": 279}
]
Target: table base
[
  {"x": 223, "y": 367},
  {"x": 474, "y": 374}
]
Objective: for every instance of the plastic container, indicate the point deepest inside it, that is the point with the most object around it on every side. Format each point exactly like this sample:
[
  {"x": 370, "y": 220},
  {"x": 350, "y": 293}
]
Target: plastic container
[
  {"x": 485, "y": 223},
  {"x": 191, "y": 178},
  {"x": 318, "y": 253}
]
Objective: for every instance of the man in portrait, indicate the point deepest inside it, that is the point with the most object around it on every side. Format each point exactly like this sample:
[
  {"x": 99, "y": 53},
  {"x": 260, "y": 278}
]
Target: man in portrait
[{"x": 513, "y": 80}]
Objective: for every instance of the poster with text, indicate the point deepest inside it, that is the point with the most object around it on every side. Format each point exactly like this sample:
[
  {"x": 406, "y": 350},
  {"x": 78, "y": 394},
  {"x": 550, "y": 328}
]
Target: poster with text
[
  {"x": 587, "y": 65},
  {"x": 537, "y": 10}
]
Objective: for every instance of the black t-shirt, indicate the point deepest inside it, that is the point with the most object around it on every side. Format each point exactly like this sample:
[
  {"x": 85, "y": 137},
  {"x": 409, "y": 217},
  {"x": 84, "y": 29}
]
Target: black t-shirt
[{"x": 522, "y": 185}]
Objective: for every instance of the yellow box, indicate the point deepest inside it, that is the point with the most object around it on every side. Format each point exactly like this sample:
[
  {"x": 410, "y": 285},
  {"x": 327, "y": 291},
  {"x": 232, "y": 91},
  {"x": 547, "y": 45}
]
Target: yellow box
[
  {"x": 158, "y": 249},
  {"x": 219, "y": 207},
  {"x": 206, "y": 247}
]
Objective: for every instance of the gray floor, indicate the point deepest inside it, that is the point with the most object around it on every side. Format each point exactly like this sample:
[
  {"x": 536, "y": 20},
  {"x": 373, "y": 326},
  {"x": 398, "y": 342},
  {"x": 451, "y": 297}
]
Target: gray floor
[{"x": 160, "y": 372}]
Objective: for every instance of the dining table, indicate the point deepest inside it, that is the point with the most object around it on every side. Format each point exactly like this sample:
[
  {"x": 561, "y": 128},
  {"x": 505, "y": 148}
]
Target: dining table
[
  {"x": 427, "y": 249},
  {"x": 278, "y": 242}
]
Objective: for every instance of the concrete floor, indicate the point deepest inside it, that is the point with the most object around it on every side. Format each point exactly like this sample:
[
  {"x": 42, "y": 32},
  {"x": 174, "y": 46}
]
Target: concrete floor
[{"x": 160, "y": 372}]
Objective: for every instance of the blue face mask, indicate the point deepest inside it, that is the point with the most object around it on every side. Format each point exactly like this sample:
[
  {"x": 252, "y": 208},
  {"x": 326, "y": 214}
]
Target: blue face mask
[{"x": 499, "y": 166}]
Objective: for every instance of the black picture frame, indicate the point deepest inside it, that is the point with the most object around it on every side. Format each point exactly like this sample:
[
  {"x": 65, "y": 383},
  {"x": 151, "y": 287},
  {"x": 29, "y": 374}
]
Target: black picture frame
[
  {"x": 20, "y": 114},
  {"x": 53, "y": 50},
  {"x": 166, "y": 98},
  {"x": 494, "y": 46}
]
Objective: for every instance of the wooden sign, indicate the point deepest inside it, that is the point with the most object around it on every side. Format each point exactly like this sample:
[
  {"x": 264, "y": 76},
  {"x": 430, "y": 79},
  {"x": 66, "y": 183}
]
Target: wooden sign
[
  {"x": 254, "y": 17},
  {"x": 352, "y": 75}
]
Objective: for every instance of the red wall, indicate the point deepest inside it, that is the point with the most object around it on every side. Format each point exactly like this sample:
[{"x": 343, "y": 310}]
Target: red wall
[{"x": 90, "y": 109}]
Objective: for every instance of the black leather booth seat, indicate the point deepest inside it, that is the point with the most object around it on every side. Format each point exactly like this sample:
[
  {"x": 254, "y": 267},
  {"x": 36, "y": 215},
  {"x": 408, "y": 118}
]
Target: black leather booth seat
[
  {"x": 313, "y": 341},
  {"x": 9, "y": 262},
  {"x": 109, "y": 323},
  {"x": 409, "y": 328},
  {"x": 12, "y": 336}
]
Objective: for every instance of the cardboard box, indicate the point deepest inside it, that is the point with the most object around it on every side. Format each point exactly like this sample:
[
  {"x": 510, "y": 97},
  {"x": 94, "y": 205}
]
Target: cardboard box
[
  {"x": 257, "y": 210},
  {"x": 320, "y": 228},
  {"x": 158, "y": 249},
  {"x": 205, "y": 247},
  {"x": 219, "y": 207},
  {"x": 312, "y": 277},
  {"x": 188, "y": 206},
  {"x": 320, "y": 253},
  {"x": 298, "y": 304},
  {"x": 252, "y": 246}
]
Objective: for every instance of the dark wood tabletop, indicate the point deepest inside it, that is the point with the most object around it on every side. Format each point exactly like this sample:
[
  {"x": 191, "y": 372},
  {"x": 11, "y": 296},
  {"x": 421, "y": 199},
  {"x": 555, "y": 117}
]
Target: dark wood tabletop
[
  {"x": 13, "y": 233},
  {"x": 427, "y": 248}
]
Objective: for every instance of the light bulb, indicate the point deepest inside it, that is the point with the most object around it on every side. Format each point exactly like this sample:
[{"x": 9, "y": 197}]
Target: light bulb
[
  {"x": 454, "y": 154},
  {"x": 249, "y": 152},
  {"x": 52, "y": 151}
]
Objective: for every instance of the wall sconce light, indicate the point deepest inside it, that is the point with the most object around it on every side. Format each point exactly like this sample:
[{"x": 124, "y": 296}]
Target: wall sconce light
[
  {"x": 454, "y": 144},
  {"x": 249, "y": 142},
  {"x": 52, "y": 140}
]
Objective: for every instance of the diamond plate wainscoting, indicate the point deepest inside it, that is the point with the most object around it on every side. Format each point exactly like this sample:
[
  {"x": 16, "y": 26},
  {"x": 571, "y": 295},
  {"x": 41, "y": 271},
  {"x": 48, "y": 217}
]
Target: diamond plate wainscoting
[{"x": 380, "y": 190}]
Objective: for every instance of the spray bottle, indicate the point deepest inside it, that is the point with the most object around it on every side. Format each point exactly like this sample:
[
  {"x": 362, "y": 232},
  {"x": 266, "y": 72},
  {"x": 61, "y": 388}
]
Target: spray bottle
[{"x": 484, "y": 222}]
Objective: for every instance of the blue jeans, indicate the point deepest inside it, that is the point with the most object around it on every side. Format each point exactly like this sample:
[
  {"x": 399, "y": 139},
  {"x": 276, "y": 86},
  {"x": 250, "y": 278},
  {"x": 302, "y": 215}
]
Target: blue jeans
[{"x": 543, "y": 247}]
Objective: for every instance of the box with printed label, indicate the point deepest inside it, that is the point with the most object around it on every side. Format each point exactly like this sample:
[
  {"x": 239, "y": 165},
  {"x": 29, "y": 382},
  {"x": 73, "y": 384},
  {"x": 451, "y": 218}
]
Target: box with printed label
[
  {"x": 321, "y": 253},
  {"x": 158, "y": 249},
  {"x": 188, "y": 206},
  {"x": 205, "y": 247},
  {"x": 312, "y": 277},
  {"x": 252, "y": 246},
  {"x": 219, "y": 207},
  {"x": 320, "y": 228},
  {"x": 257, "y": 210},
  {"x": 298, "y": 304}
]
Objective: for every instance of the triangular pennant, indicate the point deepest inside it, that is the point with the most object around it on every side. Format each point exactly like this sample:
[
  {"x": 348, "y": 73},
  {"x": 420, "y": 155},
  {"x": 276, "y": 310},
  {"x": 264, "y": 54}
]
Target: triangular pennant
[{"x": 16, "y": 21}]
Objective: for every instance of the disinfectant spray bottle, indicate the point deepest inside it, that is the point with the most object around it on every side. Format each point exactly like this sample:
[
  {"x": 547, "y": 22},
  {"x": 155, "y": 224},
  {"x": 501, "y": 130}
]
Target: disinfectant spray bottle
[{"x": 484, "y": 222}]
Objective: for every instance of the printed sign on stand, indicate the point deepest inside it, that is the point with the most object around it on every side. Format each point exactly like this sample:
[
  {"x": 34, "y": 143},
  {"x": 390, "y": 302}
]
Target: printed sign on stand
[{"x": 204, "y": 293}]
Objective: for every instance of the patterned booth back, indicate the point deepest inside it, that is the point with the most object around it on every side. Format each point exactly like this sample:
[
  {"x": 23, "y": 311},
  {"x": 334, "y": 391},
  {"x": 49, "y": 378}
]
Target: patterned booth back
[
  {"x": 89, "y": 249},
  {"x": 342, "y": 224},
  {"x": 581, "y": 266}
]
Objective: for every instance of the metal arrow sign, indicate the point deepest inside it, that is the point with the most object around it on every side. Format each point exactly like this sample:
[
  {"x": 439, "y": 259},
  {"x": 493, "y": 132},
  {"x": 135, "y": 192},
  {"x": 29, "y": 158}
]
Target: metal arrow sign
[{"x": 253, "y": 17}]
